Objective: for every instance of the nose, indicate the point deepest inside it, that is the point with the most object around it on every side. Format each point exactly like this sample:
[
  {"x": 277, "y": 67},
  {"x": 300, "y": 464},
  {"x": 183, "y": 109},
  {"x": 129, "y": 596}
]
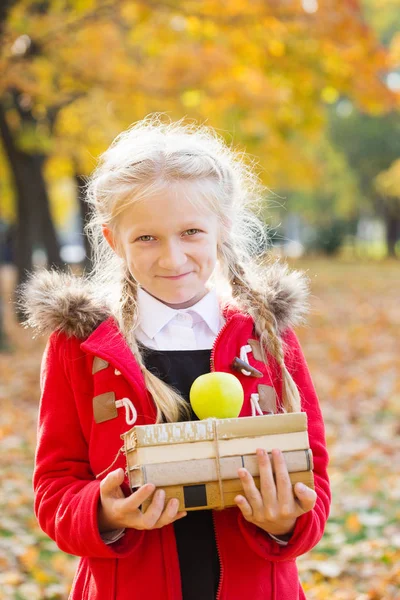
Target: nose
[{"x": 172, "y": 257}]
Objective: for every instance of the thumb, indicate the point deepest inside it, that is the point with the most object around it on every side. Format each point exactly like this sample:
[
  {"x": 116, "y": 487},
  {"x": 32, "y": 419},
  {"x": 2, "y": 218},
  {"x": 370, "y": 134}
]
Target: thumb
[
  {"x": 307, "y": 497},
  {"x": 112, "y": 481}
]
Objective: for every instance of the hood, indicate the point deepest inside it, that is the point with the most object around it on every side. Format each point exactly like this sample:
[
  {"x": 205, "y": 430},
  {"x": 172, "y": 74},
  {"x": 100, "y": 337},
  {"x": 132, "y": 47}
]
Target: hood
[{"x": 52, "y": 300}]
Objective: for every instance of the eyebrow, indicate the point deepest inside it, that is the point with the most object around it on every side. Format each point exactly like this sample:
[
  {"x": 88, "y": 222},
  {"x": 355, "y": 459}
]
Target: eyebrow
[{"x": 142, "y": 230}]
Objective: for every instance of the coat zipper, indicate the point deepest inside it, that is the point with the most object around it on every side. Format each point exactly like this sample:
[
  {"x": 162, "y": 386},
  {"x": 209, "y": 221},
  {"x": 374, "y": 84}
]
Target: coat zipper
[
  {"x": 212, "y": 368},
  {"x": 216, "y": 341},
  {"x": 221, "y": 570}
]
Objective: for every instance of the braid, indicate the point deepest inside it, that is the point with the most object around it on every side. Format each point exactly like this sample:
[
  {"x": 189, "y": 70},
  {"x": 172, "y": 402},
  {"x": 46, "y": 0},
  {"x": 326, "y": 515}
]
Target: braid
[
  {"x": 128, "y": 305},
  {"x": 170, "y": 405},
  {"x": 265, "y": 324}
]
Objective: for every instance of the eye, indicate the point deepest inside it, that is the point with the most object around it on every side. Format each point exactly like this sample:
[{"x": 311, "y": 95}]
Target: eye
[
  {"x": 192, "y": 231},
  {"x": 144, "y": 238}
]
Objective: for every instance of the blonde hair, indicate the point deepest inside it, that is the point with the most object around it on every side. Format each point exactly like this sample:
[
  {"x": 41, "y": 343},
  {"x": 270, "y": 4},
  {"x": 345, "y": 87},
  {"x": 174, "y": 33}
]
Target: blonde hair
[{"x": 141, "y": 161}]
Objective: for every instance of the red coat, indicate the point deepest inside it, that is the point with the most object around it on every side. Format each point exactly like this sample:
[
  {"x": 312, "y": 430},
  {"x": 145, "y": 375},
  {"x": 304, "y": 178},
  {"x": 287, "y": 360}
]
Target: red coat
[{"x": 73, "y": 448}]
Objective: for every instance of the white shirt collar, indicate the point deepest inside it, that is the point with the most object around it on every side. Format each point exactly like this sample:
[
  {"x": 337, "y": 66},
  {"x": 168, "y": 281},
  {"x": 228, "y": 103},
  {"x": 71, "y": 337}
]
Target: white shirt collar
[{"x": 154, "y": 315}]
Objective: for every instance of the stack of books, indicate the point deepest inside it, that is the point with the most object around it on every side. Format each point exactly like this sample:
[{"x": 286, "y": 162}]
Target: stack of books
[{"x": 198, "y": 461}]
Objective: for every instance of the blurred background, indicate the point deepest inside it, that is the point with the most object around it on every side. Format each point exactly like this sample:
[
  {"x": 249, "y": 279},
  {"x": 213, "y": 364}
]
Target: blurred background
[{"x": 310, "y": 89}]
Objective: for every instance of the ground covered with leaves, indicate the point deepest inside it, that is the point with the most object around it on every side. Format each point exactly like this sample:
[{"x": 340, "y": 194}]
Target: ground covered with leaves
[{"x": 352, "y": 346}]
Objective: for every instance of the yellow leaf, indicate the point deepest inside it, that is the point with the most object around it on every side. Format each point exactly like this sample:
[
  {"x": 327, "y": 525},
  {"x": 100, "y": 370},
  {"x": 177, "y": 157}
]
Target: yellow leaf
[
  {"x": 276, "y": 48},
  {"x": 191, "y": 98},
  {"x": 329, "y": 95},
  {"x": 353, "y": 523},
  {"x": 30, "y": 557},
  {"x": 41, "y": 576}
]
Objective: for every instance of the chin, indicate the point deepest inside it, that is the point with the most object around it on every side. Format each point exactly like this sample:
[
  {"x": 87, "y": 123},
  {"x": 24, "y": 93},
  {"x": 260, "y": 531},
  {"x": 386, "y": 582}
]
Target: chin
[
  {"x": 179, "y": 298},
  {"x": 182, "y": 298}
]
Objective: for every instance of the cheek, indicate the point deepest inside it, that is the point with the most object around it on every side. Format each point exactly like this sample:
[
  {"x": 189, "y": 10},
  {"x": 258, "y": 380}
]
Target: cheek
[
  {"x": 208, "y": 255},
  {"x": 139, "y": 261}
]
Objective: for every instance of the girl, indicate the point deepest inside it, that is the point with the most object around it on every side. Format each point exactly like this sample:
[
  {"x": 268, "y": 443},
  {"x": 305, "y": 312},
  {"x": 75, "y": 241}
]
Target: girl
[{"x": 176, "y": 290}]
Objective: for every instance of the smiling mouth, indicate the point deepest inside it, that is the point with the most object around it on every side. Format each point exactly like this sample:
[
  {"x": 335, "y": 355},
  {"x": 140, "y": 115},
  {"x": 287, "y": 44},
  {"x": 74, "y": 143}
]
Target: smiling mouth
[{"x": 175, "y": 276}]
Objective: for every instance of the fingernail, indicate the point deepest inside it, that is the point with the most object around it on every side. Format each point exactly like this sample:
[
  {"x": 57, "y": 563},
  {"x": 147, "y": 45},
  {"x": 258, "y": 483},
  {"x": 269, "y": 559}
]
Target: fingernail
[{"x": 301, "y": 487}]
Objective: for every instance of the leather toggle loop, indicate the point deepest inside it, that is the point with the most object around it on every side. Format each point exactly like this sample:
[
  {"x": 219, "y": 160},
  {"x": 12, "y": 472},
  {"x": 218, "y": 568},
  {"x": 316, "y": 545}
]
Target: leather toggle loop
[{"x": 246, "y": 369}]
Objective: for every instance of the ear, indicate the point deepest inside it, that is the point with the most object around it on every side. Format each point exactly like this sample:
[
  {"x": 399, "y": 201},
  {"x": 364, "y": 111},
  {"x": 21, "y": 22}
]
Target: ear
[{"x": 109, "y": 236}]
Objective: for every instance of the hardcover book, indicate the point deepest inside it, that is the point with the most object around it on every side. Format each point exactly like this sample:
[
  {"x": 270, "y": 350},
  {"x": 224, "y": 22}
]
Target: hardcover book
[{"x": 197, "y": 461}]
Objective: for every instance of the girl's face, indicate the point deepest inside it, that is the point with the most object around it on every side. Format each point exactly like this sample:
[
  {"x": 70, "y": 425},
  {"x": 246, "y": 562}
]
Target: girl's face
[{"x": 169, "y": 245}]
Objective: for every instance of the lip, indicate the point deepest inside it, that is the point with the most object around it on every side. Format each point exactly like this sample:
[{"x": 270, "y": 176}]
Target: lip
[{"x": 173, "y": 277}]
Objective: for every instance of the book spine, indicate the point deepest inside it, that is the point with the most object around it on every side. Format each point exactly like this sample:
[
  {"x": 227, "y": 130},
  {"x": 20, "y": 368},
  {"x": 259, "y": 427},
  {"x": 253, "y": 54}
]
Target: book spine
[
  {"x": 193, "y": 431},
  {"x": 207, "y": 495},
  {"x": 194, "y": 471},
  {"x": 230, "y": 447}
]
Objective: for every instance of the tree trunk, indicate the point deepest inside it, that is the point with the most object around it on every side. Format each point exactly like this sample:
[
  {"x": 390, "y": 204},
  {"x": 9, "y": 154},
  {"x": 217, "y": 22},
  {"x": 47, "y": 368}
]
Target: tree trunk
[
  {"x": 23, "y": 243},
  {"x": 34, "y": 223},
  {"x": 4, "y": 341},
  {"x": 392, "y": 234},
  {"x": 391, "y": 216},
  {"x": 84, "y": 212},
  {"x": 4, "y": 345},
  {"x": 46, "y": 226}
]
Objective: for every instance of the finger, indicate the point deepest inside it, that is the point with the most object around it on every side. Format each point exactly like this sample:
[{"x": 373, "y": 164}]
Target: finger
[
  {"x": 307, "y": 498},
  {"x": 267, "y": 483},
  {"x": 283, "y": 484},
  {"x": 180, "y": 515},
  {"x": 154, "y": 511},
  {"x": 252, "y": 494},
  {"x": 170, "y": 513},
  {"x": 244, "y": 507},
  {"x": 110, "y": 485},
  {"x": 141, "y": 494}
]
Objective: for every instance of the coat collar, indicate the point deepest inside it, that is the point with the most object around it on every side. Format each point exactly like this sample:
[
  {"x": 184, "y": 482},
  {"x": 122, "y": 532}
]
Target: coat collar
[
  {"x": 58, "y": 301},
  {"x": 107, "y": 342}
]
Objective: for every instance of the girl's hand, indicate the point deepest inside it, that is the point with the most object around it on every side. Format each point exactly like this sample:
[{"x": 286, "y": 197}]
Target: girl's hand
[
  {"x": 275, "y": 509},
  {"x": 115, "y": 511}
]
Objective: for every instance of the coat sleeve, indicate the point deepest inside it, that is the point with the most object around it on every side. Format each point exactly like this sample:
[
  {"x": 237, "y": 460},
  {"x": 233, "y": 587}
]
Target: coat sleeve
[
  {"x": 66, "y": 491},
  {"x": 310, "y": 526}
]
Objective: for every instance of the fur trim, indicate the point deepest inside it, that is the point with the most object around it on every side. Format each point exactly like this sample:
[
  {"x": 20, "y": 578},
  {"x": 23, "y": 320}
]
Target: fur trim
[
  {"x": 58, "y": 301},
  {"x": 286, "y": 293}
]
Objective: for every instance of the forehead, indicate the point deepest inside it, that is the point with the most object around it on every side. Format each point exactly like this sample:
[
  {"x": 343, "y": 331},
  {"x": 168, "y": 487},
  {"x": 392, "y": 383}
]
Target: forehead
[{"x": 172, "y": 208}]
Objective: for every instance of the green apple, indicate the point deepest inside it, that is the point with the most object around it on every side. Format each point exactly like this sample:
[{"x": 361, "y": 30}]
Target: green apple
[{"x": 218, "y": 395}]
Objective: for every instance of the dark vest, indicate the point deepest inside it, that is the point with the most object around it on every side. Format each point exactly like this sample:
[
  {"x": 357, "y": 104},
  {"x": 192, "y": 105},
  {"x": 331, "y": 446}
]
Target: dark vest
[{"x": 195, "y": 538}]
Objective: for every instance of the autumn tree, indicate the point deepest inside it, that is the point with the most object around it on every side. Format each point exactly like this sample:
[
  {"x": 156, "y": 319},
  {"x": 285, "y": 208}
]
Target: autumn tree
[
  {"x": 371, "y": 145},
  {"x": 74, "y": 73},
  {"x": 4, "y": 8},
  {"x": 370, "y": 141}
]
